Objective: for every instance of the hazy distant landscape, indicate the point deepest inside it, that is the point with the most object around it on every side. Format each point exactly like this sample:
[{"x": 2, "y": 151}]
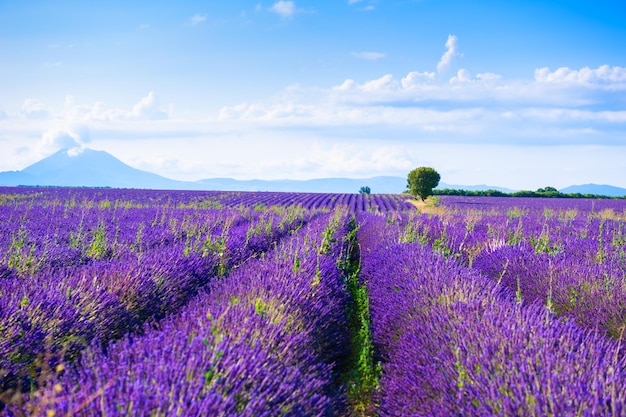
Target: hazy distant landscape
[{"x": 92, "y": 168}]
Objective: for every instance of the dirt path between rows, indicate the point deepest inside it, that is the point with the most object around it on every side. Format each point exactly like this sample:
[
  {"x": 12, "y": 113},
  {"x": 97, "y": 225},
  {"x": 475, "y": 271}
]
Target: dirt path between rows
[{"x": 428, "y": 206}]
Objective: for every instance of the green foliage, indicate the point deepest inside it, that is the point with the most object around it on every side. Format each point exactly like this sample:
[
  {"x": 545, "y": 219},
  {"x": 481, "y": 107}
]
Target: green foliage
[
  {"x": 365, "y": 190},
  {"x": 98, "y": 248},
  {"x": 481, "y": 193},
  {"x": 363, "y": 374},
  {"x": 328, "y": 236},
  {"x": 421, "y": 181},
  {"x": 547, "y": 192},
  {"x": 21, "y": 253}
]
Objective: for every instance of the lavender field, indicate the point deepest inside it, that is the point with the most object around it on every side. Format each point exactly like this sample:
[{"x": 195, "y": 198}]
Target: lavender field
[{"x": 184, "y": 303}]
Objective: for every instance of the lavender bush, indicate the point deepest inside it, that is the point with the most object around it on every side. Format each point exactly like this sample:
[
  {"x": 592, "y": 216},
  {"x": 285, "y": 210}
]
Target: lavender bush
[
  {"x": 143, "y": 302},
  {"x": 453, "y": 343}
]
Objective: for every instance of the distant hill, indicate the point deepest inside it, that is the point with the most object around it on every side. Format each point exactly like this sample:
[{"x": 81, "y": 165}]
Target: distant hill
[
  {"x": 595, "y": 189},
  {"x": 89, "y": 168},
  {"x": 481, "y": 187},
  {"x": 381, "y": 185}
]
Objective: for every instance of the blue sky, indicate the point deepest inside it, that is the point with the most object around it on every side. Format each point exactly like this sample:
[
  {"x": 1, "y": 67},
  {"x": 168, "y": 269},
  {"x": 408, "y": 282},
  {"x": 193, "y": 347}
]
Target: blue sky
[{"x": 518, "y": 94}]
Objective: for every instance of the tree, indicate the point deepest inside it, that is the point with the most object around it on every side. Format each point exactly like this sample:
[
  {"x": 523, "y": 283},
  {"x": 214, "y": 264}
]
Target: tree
[
  {"x": 421, "y": 182},
  {"x": 365, "y": 190},
  {"x": 547, "y": 190}
]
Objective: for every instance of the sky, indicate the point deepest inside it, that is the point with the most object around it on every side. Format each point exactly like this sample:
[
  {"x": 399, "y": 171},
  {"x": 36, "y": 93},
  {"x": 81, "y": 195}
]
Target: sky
[{"x": 516, "y": 94}]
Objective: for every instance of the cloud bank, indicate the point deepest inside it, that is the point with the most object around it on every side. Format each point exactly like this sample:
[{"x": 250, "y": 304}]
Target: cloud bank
[
  {"x": 550, "y": 107},
  {"x": 464, "y": 123},
  {"x": 148, "y": 108}
]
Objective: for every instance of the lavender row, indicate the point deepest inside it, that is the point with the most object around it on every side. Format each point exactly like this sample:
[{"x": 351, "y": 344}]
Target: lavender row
[
  {"x": 129, "y": 198},
  {"x": 452, "y": 342},
  {"x": 572, "y": 261},
  {"x": 582, "y": 205},
  {"x": 59, "y": 310},
  {"x": 266, "y": 340}
]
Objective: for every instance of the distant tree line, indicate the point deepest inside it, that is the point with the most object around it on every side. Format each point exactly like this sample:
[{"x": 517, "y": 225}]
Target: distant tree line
[{"x": 547, "y": 192}]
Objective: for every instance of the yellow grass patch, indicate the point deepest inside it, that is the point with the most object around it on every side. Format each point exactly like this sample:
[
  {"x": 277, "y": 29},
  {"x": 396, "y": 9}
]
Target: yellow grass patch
[{"x": 429, "y": 206}]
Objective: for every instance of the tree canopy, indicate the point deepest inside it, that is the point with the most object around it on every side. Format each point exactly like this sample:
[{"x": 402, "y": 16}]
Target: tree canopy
[{"x": 421, "y": 181}]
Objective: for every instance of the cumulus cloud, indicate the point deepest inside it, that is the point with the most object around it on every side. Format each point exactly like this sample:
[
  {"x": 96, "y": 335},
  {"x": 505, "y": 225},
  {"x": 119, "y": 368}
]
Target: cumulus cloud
[
  {"x": 34, "y": 109},
  {"x": 451, "y": 52},
  {"x": 385, "y": 83},
  {"x": 372, "y": 56},
  {"x": 197, "y": 19},
  {"x": 416, "y": 78},
  {"x": 464, "y": 76},
  {"x": 605, "y": 75},
  {"x": 71, "y": 137},
  {"x": 284, "y": 8},
  {"x": 553, "y": 107},
  {"x": 148, "y": 108}
]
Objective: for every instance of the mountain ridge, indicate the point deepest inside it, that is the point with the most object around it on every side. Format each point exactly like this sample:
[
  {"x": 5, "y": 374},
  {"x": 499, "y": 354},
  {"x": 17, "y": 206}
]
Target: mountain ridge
[{"x": 92, "y": 168}]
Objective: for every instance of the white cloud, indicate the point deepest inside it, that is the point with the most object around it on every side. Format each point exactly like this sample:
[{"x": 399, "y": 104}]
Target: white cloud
[
  {"x": 372, "y": 56},
  {"x": 448, "y": 56},
  {"x": 416, "y": 78},
  {"x": 573, "y": 115},
  {"x": 605, "y": 75},
  {"x": 284, "y": 8},
  {"x": 346, "y": 86},
  {"x": 34, "y": 109},
  {"x": 383, "y": 84},
  {"x": 386, "y": 82},
  {"x": 148, "y": 108},
  {"x": 464, "y": 76},
  {"x": 465, "y": 108},
  {"x": 71, "y": 137},
  {"x": 197, "y": 19}
]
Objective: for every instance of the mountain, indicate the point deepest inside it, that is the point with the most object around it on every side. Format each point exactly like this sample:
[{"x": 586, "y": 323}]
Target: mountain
[
  {"x": 88, "y": 168},
  {"x": 595, "y": 189}
]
